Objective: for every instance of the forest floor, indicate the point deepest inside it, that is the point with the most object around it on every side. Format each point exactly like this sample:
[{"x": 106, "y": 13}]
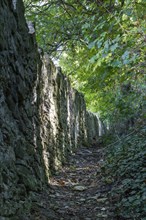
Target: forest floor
[{"x": 77, "y": 191}]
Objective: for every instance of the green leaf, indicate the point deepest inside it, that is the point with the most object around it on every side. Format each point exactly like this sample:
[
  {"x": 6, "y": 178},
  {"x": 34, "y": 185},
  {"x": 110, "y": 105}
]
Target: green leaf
[
  {"x": 114, "y": 47},
  {"x": 91, "y": 45}
]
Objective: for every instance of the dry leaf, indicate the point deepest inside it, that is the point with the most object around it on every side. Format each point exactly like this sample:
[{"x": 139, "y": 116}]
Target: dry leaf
[{"x": 80, "y": 188}]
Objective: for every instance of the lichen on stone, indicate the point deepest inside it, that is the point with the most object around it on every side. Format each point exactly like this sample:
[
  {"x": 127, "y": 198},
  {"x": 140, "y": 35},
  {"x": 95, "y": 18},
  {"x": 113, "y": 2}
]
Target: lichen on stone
[
  {"x": 14, "y": 4},
  {"x": 31, "y": 28}
]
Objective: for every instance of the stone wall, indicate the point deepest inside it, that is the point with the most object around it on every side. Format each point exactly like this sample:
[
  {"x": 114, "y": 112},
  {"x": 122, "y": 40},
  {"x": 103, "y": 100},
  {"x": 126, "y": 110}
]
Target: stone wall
[
  {"x": 42, "y": 119},
  {"x": 65, "y": 123}
]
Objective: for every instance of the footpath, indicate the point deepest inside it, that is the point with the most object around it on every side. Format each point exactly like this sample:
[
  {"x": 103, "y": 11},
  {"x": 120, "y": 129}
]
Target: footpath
[{"x": 77, "y": 191}]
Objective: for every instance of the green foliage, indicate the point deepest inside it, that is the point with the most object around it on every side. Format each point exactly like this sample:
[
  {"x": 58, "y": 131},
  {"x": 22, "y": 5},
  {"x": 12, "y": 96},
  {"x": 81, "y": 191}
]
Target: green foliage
[
  {"x": 125, "y": 168},
  {"x": 101, "y": 46},
  {"x": 113, "y": 55}
]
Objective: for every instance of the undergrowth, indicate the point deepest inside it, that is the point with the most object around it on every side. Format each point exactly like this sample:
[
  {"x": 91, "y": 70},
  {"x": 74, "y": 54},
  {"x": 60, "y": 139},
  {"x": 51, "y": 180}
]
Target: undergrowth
[{"x": 125, "y": 171}]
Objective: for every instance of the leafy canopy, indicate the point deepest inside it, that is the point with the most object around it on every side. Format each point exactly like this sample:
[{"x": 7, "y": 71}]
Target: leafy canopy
[{"x": 101, "y": 45}]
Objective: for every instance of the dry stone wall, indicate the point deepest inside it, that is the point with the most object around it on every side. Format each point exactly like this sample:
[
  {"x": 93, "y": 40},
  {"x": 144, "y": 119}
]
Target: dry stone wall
[{"x": 42, "y": 119}]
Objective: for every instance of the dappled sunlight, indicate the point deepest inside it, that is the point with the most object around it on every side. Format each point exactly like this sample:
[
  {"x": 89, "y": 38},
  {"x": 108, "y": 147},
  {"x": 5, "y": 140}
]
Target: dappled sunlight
[{"x": 72, "y": 175}]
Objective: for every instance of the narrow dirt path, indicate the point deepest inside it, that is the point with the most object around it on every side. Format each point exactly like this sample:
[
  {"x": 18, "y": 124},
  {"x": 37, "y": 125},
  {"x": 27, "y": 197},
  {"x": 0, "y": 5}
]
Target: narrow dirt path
[{"x": 76, "y": 192}]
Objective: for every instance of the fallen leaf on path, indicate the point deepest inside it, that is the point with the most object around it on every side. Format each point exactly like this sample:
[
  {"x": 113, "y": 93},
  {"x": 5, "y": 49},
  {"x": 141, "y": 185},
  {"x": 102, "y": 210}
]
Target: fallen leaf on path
[
  {"x": 82, "y": 199},
  {"x": 103, "y": 209},
  {"x": 101, "y": 200},
  {"x": 79, "y": 188},
  {"x": 96, "y": 196},
  {"x": 61, "y": 182},
  {"x": 102, "y": 216}
]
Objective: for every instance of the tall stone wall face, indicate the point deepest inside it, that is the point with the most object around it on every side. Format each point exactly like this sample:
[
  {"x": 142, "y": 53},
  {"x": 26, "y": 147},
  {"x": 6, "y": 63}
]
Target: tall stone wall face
[
  {"x": 42, "y": 119},
  {"x": 64, "y": 119},
  {"x": 92, "y": 127},
  {"x": 21, "y": 160}
]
